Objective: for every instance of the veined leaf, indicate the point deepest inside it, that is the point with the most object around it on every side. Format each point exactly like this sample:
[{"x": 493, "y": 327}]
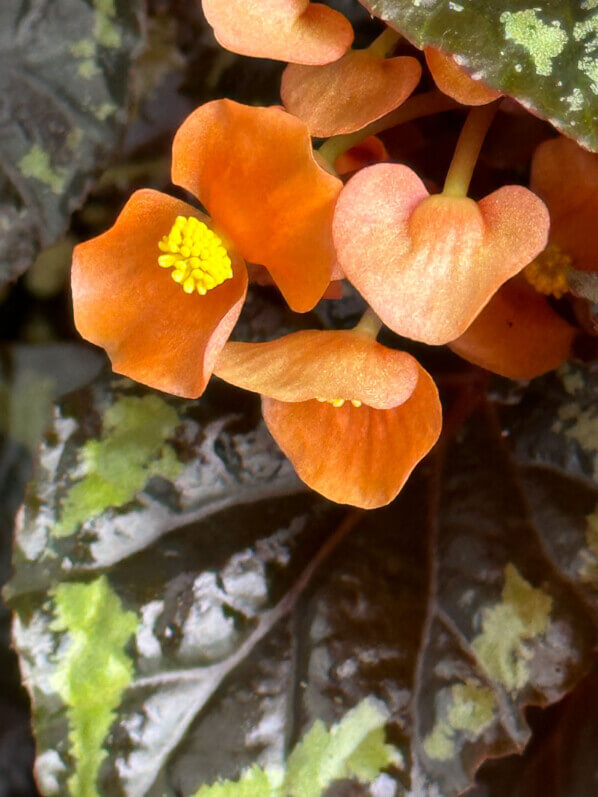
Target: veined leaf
[
  {"x": 64, "y": 87},
  {"x": 264, "y": 620},
  {"x": 545, "y": 54}
]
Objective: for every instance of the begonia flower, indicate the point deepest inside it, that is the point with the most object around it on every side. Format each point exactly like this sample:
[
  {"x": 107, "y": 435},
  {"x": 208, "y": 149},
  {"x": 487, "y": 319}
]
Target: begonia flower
[
  {"x": 565, "y": 176},
  {"x": 454, "y": 81},
  {"x": 255, "y": 172},
  {"x": 517, "y": 334},
  {"x": 347, "y": 95},
  {"x": 159, "y": 292},
  {"x": 428, "y": 264},
  {"x": 296, "y": 31},
  {"x": 354, "y": 417}
]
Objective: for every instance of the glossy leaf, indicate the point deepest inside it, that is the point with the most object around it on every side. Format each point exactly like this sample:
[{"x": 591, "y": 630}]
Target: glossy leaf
[
  {"x": 64, "y": 87},
  {"x": 261, "y": 615},
  {"x": 31, "y": 377},
  {"x": 544, "y": 54}
]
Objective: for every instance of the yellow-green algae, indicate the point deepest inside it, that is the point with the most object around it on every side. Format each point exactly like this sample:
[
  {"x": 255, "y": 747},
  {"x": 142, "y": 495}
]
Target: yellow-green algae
[
  {"x": 36, "y": 163},
  {"x": 93, "y": 673},
  {"x": 521, "y": 616},
  {"x": 542, "y": 41},
  {"x": 117, "y": 467},
  {"x": 105, "y": 32},
  {"x": 471, "y": 709},
  {"x": 354, "y": 748}
]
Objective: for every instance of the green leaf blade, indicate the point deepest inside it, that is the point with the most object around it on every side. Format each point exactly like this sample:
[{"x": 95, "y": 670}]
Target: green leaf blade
[{"x": 544, "y": 54}]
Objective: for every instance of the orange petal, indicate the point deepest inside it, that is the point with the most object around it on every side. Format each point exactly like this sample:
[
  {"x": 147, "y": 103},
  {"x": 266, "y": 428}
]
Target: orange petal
[
  {"x": 254, "y": 170},
  {"x": 329, "y": 364},
  {"x": 517, "y": 334},
  {"x": 454, "y": 81},
  {"x": 259, "y": 275},
  {"x": 566, "y": 177},
  {"x": 370, "y": 150},
  {"x": 357, "y": 455},
  {"x": 151, "y": 329},
  {"x": 349, "y": 94},
  {"x": 286, "y": 30},
  {"x": 428, "y": 264}
]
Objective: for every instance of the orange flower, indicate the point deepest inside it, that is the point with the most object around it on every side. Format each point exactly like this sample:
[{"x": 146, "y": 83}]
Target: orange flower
[
  {"x": 566, "y": 177},
  {"x": 286, "y": 30},
  {"x": 454, "y": 81},
  {"x": 517, "y": 334},
  {"x": 160, "y": 331},
  {"x": 427, "y": 265},
  {"x": 353, "y": 416},
  {"x": 254, "y": 170},
  {"x": 349, "y": 94}
]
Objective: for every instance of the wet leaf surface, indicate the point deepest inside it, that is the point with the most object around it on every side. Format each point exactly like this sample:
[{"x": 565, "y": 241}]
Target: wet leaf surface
[
  {"x": 544, "y": 54},
  {"x": 64, "y": 89},
  {"x": 30, "y": 378},
  {"x": 260, "y": 609}
]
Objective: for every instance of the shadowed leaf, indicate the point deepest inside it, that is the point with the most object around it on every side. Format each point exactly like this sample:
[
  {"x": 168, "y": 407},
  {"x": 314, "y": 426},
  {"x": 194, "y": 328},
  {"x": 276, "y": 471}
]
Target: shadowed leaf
[{"x": 64, "y": 86}]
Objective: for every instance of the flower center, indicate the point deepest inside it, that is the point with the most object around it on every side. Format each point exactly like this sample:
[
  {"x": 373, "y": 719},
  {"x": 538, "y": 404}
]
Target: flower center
[
  {"x": 196, "y": 255},
  {"x": 548, "y": 272},
  {"x": 339, "y": 402}
]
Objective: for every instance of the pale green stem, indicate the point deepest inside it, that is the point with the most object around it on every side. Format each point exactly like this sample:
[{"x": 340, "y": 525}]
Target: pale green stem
[
  {"x": 425, "y": 104},
  {"x": 369, "y": 324},
  {"x": 468, "y": 149}
]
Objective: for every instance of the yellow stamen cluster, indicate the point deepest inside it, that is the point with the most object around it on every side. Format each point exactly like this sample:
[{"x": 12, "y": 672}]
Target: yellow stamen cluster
[
  {"x": 196, "y": 255},
  {"x": 548, "y": 272},
  {"x": 338, "y": 402}
]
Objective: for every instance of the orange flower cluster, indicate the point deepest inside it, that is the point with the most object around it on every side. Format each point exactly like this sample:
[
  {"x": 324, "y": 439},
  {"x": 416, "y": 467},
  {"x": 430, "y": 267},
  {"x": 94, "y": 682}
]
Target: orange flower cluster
[{"x": 162, "y": 289}]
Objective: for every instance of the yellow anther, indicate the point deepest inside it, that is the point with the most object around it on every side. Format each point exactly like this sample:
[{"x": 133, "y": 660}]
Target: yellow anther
[
  {"x": 338, "y": 402},
  {"x": 196, "y": 255},
  {"x": 548, "y": 273}
]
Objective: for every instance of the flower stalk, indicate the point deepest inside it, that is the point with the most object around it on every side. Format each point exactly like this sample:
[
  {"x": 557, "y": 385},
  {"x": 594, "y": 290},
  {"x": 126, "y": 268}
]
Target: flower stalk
[{"x": 468, "y": 149}]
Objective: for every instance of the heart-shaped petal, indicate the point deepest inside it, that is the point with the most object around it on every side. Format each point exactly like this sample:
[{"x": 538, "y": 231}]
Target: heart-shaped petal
[
  {"x": 350, "y": 93},
  {"x": 296, "y": 31},
  {"x": 357, "y": 455},
  {"x": 428, "y": 264},
  {"x": 517, "y": 334},
  {"x": 566, "y": 177}
]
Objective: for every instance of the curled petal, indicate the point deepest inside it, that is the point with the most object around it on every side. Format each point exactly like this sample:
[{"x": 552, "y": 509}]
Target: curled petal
[
  {"x": 428, "y": 264},
  {"x": 357, "y": 455},
  {"x": 329, "y": 364},
  {"x": 347, "y": 95},
  {"x": 517, "y": 334},
  {"x": 370, "y": 150},
  {"x": 286, "y": 30},
  {"x": 454, "y": 81},
  {"x": 566, "y": 177},
  {"x": 151, "y": 329},
  {"x": 254, "y": 170}
]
